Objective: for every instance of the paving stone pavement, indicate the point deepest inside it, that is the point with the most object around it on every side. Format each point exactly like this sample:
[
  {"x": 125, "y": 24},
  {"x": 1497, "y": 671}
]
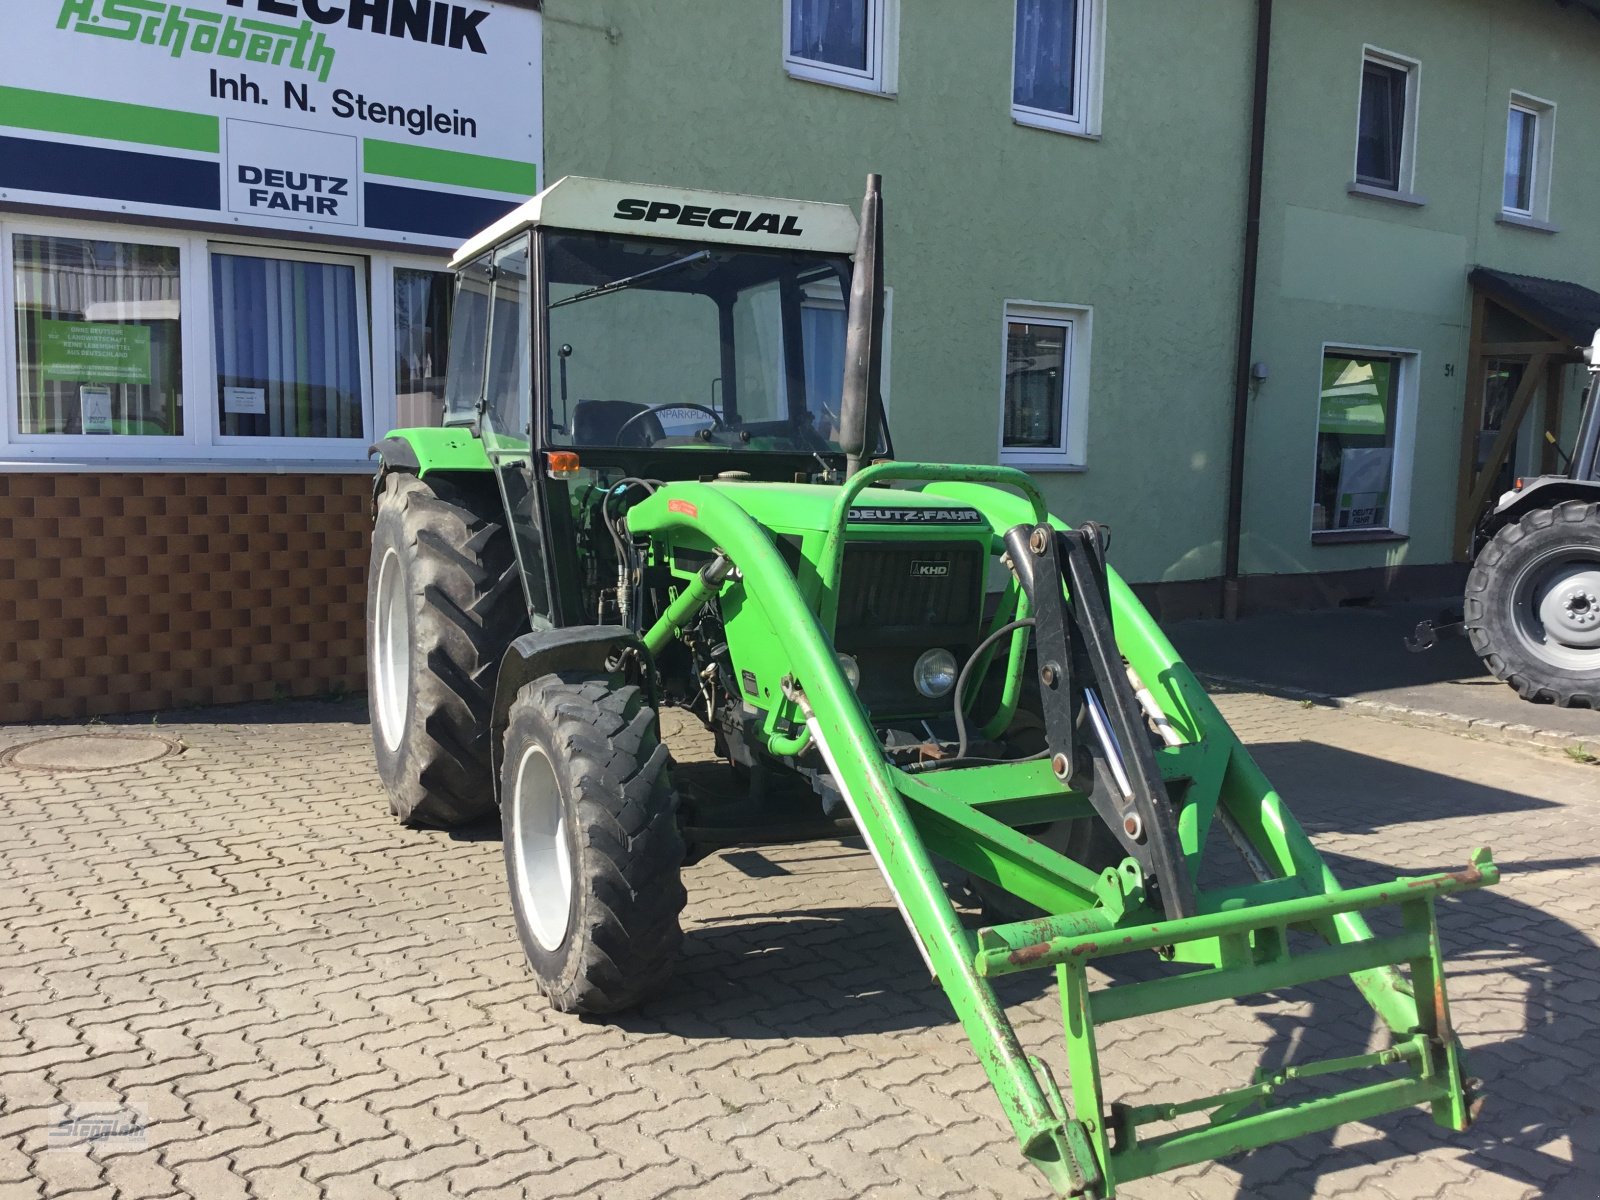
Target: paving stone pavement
[{"x": 303, "y": 999}]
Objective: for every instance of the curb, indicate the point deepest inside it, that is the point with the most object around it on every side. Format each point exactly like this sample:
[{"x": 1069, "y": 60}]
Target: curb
[{"x": 1487, "y": 727}]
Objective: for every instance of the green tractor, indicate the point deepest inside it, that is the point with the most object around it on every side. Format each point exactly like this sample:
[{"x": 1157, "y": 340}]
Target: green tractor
[{"x": 666, "y": 480}]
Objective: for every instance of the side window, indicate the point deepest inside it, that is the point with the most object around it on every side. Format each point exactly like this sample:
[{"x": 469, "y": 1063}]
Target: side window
[
  {"x": 760, "y": 365},
  {"x": 1044, "y": 396},
  {"x": 1530, "y": 130},
  {"x": 1386, "y": 132},
  {"x": 421, "y": 347},
  {"x": 507, "y": 387},
  {"x": 822, "y": 328},
  {"x": 848, "y": 43},
  {"x": 1055, "y": 65},
  {"x": 469, "y": 342}
]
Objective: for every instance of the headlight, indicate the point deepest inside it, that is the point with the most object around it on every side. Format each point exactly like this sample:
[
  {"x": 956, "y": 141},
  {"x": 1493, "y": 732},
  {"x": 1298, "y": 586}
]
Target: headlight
[
  {"x": 852, "y": 670},
  {"x": 935, "y": 673}
]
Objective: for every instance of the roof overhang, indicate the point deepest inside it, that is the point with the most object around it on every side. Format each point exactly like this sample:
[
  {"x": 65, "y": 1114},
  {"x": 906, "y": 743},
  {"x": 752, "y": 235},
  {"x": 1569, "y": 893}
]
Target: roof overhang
[
  {"x": 651, "y": 210},
  {"x": 1568, "y": 312}
]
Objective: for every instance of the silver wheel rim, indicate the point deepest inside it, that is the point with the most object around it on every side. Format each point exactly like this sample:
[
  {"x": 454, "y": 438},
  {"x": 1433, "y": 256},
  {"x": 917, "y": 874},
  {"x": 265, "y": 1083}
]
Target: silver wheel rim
[
  {"x": 1558, "y": 609},
  {"x": 543, "y": 883},
  {"x": 391, "y": 652}
]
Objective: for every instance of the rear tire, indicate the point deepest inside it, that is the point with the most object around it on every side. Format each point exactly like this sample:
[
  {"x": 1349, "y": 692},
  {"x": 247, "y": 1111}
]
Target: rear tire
[
  {"x": 593, "y": 851},
  {"x": 1532, "y": 608},
  {"x": 443, "y": 603}
]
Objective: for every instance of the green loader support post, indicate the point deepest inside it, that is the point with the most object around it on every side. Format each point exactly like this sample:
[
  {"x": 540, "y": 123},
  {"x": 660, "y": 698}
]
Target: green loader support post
[{"x": 916, "y": 653}]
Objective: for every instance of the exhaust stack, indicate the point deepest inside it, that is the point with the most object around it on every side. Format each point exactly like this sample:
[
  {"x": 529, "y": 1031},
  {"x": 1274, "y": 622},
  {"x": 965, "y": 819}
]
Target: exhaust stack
[{"x": 863, "y": 344}]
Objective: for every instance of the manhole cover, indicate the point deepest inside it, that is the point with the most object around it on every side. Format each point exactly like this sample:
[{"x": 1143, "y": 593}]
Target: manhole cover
[{"x": 89, "y": 752}]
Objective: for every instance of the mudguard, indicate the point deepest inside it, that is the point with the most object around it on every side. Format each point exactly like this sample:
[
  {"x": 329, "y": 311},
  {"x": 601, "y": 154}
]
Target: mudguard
[{"x": 544, "y": 652}]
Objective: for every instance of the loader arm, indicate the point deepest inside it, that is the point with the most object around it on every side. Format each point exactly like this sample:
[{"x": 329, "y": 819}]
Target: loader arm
[{"x": 1236, "y": 937}]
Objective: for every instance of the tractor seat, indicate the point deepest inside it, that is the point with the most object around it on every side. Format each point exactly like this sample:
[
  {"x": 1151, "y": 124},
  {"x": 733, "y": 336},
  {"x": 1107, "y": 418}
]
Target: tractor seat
[{"x": 598, "y": 422}]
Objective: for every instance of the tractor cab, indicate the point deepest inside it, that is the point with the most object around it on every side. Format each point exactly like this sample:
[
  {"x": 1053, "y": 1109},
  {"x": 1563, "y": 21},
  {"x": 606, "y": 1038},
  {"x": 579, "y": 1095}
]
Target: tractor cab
[{"x": 605, "y": 333}]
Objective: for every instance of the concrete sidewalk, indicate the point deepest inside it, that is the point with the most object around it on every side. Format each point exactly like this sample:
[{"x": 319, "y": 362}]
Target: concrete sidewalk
[{"x": 1356, "y": 657}]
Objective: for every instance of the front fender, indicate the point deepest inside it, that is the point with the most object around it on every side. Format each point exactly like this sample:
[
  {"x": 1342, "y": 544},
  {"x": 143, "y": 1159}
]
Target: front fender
[{"x": 544, "y": 652}]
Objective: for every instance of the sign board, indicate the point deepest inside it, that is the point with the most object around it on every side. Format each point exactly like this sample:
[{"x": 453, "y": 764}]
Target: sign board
[
  {"x": 252, "y": 401},
  {"x": 1355, "y": 396},
  {"x": 94, "y": 401},
  {"x": 413, "y": 121},
  {"x": 94, "y": 352}
]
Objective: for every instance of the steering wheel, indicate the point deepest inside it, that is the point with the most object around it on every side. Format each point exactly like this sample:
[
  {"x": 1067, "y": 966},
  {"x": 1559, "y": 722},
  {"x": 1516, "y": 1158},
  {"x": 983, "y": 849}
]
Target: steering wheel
[{"x": 716, "y": 420}]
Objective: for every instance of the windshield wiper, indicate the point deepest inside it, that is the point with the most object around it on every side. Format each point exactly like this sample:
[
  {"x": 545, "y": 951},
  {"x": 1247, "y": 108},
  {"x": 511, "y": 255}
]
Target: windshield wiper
[{"x": 617, "y": 285}]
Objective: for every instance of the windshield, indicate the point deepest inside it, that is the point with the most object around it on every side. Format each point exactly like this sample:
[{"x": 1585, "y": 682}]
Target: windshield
[{"x": 670, "y": 344}]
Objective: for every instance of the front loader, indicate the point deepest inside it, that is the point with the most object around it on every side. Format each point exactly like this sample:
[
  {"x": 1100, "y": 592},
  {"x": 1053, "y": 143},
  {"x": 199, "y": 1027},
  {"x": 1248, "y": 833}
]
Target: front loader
[{"x": 666, "y": 479}]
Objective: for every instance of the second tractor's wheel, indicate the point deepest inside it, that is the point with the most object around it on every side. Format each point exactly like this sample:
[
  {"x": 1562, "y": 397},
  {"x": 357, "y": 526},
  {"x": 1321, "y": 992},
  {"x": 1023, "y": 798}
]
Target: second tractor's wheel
[
  {"x": 593, "y": 850},
  {"x": 443, "y": 603},
  {"x": 1532, "y": 605}
]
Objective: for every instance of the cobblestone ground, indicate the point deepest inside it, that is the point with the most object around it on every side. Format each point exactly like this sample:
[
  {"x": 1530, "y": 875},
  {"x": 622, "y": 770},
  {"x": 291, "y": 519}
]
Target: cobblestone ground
[{"x": 305, "y": 1000}]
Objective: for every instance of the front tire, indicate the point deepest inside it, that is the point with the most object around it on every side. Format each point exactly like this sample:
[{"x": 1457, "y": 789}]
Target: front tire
[
  {"x": 593, "y": 851},
  {"x": 1532, "y": 607},
  {"x": 443, "y": 603}
]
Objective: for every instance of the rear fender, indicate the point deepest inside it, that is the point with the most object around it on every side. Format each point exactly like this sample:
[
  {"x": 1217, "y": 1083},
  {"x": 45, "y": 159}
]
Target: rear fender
[
  {"x": 1547, "y": 491},
  {"x": 422, "y": 451},
  {"x": 544, "y": 652}
]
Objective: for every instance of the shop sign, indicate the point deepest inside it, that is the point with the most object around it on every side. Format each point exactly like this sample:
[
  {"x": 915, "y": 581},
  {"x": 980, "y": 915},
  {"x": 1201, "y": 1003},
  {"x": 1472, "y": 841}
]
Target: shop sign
[
  {"x": 1354, "y": 397},
  {"x": 94, "y": 352},
  {"x": 380, "y": 120}
]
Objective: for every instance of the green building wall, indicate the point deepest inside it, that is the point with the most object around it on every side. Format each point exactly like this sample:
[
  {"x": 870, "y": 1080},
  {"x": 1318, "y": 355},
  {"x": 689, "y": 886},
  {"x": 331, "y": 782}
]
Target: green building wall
[
  {"x": 1353, "y": 269},
  {"x": 1143, "y": 223},
  {"x": 979, "y": 211}
]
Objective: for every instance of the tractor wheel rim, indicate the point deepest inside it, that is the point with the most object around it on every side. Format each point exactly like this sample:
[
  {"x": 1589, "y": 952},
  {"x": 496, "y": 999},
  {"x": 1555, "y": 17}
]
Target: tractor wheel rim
[
  {"x": 539, "y": 844},
  {"x": 391, "y": 652},
  {"x": 1558, "y": 609}
]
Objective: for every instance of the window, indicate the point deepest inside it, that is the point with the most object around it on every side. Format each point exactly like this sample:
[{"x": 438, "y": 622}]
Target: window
[
  {"x": 421, "y": 331},
  {"x": 850, "y": 43},
  {"x": 1362, "y": 478},
  {"x": 509, "y": 393},
  {"x": 289, "y": 346},
  {"x": 1522, "y": 138},
  {"x": 1386, "y": 127},
  {"x": 469, "y": 334},
  {"x": 1045, "y": 385},
  {"x": 705, "y": 350},
  {"x": 98, "y": 340},
  {"x": 1055, "y": 64},
  {"x": 137, "y": 344},
  {"x": 1530, "y": 124}
]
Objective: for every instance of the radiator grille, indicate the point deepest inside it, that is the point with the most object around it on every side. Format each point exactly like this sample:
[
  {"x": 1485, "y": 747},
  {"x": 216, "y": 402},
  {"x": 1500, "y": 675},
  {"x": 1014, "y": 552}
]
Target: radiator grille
[{"x": 929, "y": 589}]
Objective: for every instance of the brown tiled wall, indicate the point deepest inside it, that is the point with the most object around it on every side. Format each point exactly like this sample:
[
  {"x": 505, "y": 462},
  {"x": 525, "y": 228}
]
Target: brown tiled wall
[{"x": 131, "y": 593}]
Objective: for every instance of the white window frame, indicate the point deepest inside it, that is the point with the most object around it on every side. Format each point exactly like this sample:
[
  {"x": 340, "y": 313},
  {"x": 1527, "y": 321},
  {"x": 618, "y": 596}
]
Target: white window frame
[
  {"x": 200, "y": 447},
  {"x": 1409, "y": 364},
  {"x": 1543, "y": 113},
  {"x": 883, "y": 54},
  {"x": 103, "y": 445},
  {"x": 296, "y": 447},
  {"x": 1406, "y": 185},
  {"x": 1089, "y": 48},
  {"x": 382, "y": 267},
  {"x": 1072, "y": 452}
]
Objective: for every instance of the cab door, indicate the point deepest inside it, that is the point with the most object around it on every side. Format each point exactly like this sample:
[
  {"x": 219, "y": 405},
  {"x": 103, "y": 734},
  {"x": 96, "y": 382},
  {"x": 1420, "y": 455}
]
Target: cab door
[{"x": 506, "y": 416}]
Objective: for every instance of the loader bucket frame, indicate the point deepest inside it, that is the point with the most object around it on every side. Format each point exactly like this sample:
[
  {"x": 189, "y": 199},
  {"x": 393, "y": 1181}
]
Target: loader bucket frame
[{"x": 1238, "y": 936}]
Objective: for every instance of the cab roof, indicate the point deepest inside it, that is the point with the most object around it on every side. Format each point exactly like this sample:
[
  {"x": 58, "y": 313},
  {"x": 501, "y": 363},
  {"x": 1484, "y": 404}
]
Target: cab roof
[{"x": 651, "y": 210}]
